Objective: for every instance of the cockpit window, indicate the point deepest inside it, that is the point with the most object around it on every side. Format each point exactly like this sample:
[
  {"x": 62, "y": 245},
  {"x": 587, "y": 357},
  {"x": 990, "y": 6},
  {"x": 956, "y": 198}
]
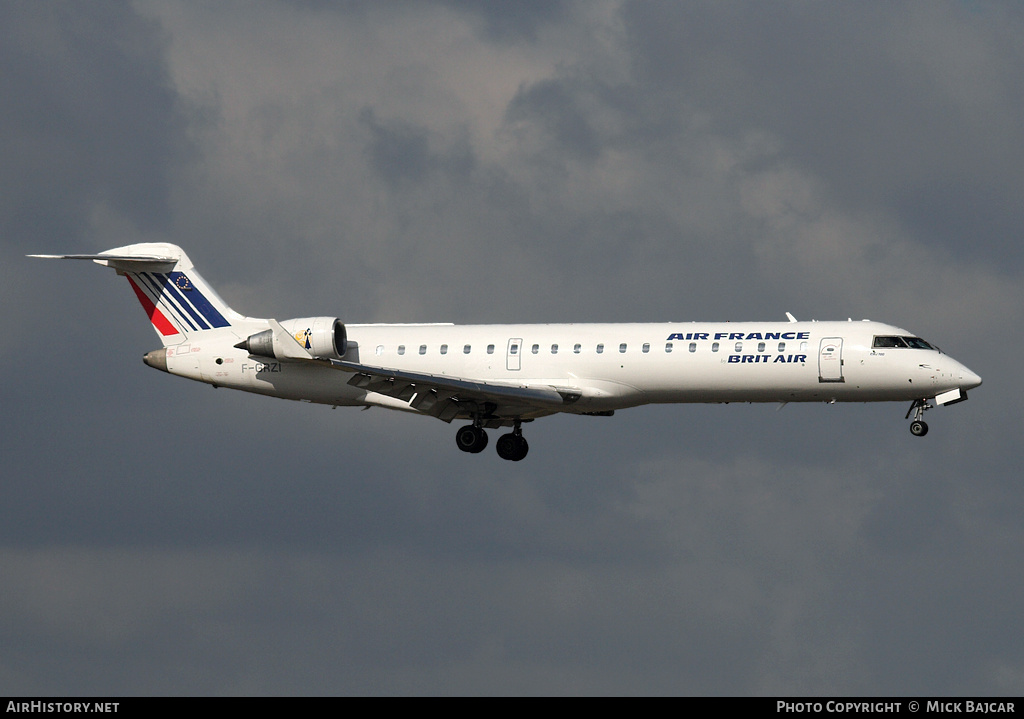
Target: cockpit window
[{"x": 894, "y": 341}]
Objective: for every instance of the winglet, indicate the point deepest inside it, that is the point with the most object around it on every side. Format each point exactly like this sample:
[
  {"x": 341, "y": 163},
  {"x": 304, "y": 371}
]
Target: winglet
[{"x": 791, "y": 317}]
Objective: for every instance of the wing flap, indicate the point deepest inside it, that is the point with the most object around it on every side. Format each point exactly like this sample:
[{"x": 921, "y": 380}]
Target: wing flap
[{"x": 444, "y": 396}]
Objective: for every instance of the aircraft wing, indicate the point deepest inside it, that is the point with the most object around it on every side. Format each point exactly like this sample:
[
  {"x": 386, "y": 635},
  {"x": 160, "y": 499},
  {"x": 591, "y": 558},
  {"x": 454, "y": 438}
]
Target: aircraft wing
[{"x": 445, "y": 397}]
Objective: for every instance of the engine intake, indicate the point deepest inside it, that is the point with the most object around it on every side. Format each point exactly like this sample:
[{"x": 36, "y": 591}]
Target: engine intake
[{"x": 321, "y": 337}]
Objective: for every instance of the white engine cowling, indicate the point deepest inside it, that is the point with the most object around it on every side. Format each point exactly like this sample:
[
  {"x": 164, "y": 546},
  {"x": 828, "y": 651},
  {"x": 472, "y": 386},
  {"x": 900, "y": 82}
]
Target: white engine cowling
[{"x": 321, "y": 337}]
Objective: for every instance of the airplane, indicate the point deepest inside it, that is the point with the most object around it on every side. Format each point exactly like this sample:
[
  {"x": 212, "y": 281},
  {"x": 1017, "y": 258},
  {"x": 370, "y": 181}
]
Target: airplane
[{"x": 507, "y": 375}]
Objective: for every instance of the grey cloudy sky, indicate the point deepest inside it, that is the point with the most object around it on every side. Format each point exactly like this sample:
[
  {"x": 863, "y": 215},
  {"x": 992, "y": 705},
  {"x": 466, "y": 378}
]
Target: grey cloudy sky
[{"x": 516, "y": 162}]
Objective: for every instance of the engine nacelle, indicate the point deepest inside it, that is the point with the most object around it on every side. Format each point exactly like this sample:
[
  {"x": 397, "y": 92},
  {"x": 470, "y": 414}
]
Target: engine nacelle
[{"x": 321, "y": 337}]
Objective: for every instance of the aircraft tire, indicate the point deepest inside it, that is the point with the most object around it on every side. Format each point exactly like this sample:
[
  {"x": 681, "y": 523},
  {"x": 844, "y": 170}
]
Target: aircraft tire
[
  {"x": 471, "y": 439},
  {"x": 506, "y": 446},
  {"x": 512, "y": 447},
  {"x": 918, "y": 428}
]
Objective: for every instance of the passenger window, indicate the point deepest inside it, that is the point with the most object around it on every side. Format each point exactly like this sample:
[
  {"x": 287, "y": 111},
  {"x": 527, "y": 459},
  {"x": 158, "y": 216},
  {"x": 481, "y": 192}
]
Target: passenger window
[
  {"x": 380, "y": 350},
  {"x": 466, "y": 349},
  {"x": 693, "y": 346},
  {"x": 782, "y": 346},
  {"x": 739, "y": 346},
  {"x": 535, "y": 349},
  {"x": 401, "y": 349},
  {"x": 760, "y": 346},
  {"x": 490, "y": 349},
  {"x": 622, "y": 347},
  {"x": 444, "y": 349},
  {"x": 803, "y": 346},
  {"x": 714, "y": 346},
  {"x": 423, "y": 349},
  {"x": 554, "y": 349},
  {"x": 600, "y": 348},
  {"x": 668, "y": 347},
  {"x": 513, "y": 349},
  {"x": 576, "y": 348},
  {"x": 647, "y": 347}
]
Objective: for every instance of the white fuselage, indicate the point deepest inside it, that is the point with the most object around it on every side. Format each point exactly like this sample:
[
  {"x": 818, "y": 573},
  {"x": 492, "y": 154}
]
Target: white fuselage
[{"x": 613, "y": 366}]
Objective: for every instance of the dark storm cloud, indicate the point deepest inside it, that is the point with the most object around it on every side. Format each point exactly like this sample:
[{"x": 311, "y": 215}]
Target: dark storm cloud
[
  {"x": 512, "y": 21},
  {"x": 507, "y": 162},
  {"x": 553, "y": 106},
  {"x": 907, "y": 107},
  {"x": 401, "y": 153},
  {"x": 88, "y": 117}
]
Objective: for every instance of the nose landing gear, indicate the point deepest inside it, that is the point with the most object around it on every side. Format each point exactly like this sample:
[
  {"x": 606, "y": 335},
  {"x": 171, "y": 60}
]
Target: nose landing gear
[{"x": 918, "y": 428}]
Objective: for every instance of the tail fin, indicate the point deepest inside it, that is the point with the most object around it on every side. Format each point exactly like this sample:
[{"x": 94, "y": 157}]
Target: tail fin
[{"x": 177, "y": 300}]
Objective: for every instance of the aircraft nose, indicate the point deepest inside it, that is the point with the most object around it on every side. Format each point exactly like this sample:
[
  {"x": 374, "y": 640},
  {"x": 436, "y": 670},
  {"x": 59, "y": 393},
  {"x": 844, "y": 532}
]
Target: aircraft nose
[{"x": 968, "y": 380}]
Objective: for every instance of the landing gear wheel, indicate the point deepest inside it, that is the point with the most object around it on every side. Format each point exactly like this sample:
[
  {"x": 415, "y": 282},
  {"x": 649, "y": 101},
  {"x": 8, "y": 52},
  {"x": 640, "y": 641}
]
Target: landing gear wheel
[
  {"x": 918, "y": 428},
  {"x": 471, "y": 439},
  {"x": 512, "y": 446}
]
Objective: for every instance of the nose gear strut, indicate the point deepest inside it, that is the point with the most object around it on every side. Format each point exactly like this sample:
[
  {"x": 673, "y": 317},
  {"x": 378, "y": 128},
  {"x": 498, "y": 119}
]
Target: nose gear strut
[{"x": 918, "y": 428}]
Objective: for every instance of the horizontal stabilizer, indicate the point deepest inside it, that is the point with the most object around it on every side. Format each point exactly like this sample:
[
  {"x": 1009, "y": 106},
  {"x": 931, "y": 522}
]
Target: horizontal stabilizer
[{"x": 135, "y": 263}]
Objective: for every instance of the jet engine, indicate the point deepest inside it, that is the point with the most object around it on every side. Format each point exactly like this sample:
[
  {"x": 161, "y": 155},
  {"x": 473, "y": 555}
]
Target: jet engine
[{"x": 320, "y": 337}]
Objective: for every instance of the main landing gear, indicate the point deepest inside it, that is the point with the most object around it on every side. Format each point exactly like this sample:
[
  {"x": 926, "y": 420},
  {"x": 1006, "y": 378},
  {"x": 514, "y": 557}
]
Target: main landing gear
[
  {"x": 918, "y": 428},
  {"x": 511, "y": 446}
]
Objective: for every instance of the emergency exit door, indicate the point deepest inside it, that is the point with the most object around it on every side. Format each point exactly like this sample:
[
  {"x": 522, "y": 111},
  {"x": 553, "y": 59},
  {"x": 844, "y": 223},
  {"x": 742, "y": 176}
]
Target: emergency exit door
[
  {"x": 515, "y": 348},
  {"x": 830, "y": 360}
]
